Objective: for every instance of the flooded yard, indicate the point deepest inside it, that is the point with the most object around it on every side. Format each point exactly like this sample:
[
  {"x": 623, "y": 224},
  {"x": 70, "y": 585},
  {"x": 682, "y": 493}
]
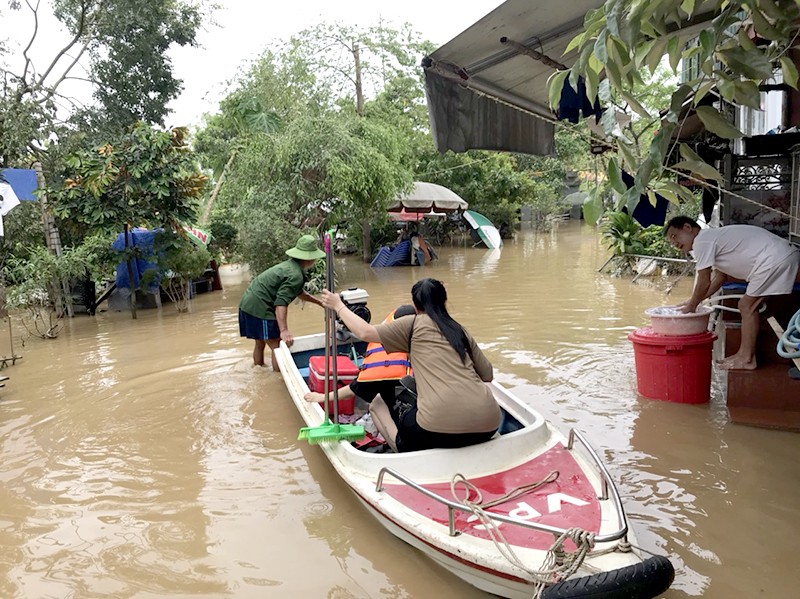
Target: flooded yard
[{"x": 148, "y": 458}]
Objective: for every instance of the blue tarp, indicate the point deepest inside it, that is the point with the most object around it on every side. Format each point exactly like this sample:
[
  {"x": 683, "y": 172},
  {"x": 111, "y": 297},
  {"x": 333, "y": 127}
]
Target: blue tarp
[
  {"x": 143, "y": 239},
  {"x": 22, "y": 181}
]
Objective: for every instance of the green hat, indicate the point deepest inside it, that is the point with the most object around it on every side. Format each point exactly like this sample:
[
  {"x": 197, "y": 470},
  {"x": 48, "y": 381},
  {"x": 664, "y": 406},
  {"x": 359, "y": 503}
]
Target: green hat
[{"x": 306, "y": 249}]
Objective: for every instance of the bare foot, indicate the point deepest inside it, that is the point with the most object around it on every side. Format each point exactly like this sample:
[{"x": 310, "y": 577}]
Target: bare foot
[
  {"x": 314, "y": 396},
  {"x": 736, "y": 362}
]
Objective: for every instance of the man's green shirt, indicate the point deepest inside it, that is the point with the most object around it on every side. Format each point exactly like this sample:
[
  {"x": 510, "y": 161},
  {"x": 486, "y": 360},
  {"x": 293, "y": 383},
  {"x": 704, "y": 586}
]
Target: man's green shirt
[{"x": 279, "y": 285}]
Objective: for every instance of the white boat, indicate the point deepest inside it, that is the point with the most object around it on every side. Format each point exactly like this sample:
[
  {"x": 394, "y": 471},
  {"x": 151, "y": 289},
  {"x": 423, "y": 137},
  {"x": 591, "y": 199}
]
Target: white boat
[{"x": 410, "y": 494}]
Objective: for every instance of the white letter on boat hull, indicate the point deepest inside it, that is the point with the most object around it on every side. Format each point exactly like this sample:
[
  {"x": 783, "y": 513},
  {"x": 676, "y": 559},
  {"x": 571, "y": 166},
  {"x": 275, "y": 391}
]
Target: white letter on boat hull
[
  {"x": 555, "y": 500},
  {"x": 523, "y": 511}
]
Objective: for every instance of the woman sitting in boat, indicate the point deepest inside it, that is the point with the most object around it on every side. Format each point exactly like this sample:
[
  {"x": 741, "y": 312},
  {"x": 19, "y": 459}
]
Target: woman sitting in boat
[
  {"x": 379, "y": 373},
  {"x": 454, "y": 408}
]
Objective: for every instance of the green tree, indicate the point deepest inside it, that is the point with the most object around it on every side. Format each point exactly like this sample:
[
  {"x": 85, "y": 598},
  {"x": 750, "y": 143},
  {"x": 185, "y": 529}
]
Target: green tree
[
  {"x": 357, "y": 63},
  {"x": 352, "y": 117},
  {"x": 178, "y": 261},
  {"x": 146, "y": 178},
  {"x": 121, "y": 44},
  {"x": 624, "y": 39},
  {"x": 273, "y": 92},
  {"x": 313, "y": 173}
]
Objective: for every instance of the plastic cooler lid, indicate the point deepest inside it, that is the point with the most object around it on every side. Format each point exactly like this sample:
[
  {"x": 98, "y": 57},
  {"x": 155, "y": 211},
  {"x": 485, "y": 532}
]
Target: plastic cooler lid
[
  {"x": 344, "y": 366},
  {"x": 647, "y": 336},
  {"x": 354, "y": 295}
]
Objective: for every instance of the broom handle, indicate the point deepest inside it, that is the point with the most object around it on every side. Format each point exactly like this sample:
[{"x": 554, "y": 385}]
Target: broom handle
[
  {"x": 329, "y": 261},
  {"x": 328, "y": 312}
]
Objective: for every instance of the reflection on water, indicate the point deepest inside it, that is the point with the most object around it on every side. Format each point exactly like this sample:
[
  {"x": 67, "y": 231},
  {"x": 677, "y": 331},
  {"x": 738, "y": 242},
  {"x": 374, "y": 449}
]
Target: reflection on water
[{"x": 148, "y": 458}]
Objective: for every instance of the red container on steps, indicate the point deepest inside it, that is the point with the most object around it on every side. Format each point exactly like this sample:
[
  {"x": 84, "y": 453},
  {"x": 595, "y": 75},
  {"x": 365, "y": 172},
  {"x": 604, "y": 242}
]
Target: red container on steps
[
  {"x": 673, "y": 368},
  {"x": 346, "y": 373}
]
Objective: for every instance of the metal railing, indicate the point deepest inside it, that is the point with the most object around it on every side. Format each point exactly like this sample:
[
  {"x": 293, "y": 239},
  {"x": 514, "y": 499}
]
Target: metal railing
[{"x": 454, "y": 506}]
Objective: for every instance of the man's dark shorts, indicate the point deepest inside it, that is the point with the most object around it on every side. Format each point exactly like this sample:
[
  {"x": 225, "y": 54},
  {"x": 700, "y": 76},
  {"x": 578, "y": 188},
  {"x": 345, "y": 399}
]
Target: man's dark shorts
[{"x": 257, "y": 328}]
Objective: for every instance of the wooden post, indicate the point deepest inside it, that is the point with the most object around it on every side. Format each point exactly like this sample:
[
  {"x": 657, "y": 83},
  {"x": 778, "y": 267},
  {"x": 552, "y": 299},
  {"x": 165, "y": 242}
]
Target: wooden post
[
  {"x": 132, "y": 297},
  {"x": 215, "y": 192},
  {"x": 52, "y": 239}
]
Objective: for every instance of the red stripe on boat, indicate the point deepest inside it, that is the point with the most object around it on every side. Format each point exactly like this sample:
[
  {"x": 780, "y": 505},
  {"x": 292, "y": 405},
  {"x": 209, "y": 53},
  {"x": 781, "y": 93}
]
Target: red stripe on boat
[{"x": 569, "y": 502}]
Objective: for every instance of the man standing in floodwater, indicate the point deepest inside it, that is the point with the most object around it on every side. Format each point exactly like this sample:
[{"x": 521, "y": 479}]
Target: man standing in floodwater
[
  {"x": 264, "y": 306},
  {"x": 769, "y": 264}
]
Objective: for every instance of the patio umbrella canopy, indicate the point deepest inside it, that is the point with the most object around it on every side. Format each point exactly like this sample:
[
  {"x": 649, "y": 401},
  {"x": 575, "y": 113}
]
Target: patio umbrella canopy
[
  {"x": 484, "y": 229},
  {"x": 428, "y": 197}
]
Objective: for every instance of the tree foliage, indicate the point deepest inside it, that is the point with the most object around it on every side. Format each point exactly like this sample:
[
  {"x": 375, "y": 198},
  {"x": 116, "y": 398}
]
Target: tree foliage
[
  {"x": 738, "y": 46},
  {"x": 121, "y": 45},
  {"x": 178, "y": 261},
  {"x": 355, "y": 63},
  {"x": 147, "y": 177},
  {"x": 310, "y": 175},
  {"x": 326, "y": 161}
]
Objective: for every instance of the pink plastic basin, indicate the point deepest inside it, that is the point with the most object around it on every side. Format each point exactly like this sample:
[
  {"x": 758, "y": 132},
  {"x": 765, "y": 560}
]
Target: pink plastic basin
[{"x": 668, "y": 320}]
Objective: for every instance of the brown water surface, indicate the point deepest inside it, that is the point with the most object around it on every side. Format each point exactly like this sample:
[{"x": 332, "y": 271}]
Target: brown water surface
[{"x": 149, "y": 458}]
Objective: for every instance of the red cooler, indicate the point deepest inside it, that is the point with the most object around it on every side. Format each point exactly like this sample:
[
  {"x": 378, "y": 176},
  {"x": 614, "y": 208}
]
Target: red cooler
[
  {"x": 673, "y": 367},
  {"x": 346, "y": 373}
]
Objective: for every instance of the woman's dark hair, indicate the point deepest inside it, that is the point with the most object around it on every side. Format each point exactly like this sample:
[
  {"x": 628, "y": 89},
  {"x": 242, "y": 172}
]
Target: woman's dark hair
[{"x": 429, "y": 296}]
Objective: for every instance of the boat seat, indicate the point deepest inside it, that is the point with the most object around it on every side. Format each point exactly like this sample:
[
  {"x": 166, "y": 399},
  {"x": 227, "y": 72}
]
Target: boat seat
[{"x": 508, "y": 424}]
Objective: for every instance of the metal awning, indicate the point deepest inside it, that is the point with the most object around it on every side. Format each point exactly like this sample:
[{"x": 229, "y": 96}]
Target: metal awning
[{"x": 484, "y": 93}]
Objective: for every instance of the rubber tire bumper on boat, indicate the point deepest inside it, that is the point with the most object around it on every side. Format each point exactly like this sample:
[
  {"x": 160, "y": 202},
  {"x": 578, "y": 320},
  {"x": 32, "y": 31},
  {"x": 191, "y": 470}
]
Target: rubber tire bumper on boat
[{"x": 645, "y": 580}]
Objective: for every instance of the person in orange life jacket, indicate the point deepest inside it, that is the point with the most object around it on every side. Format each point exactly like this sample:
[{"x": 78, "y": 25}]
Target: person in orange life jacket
[
  {"x": 453, "y": 406},
  {"x": 379, "y": 372}
]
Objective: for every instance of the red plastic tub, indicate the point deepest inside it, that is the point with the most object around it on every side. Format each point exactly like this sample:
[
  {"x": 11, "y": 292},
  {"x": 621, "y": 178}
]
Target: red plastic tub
[
  {"x": 673, "y": 368},
  {"x": 346, "y": 372}
]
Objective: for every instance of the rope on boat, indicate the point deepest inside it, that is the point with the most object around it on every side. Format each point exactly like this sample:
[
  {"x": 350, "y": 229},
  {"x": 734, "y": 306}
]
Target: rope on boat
[
  {"x": 558, "y": 564},
  {"x": 512, "y": 494}
]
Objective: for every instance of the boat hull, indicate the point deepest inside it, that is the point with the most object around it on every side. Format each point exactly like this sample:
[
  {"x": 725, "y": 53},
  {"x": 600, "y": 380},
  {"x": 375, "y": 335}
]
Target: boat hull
[{"x": 417, "y": 496}]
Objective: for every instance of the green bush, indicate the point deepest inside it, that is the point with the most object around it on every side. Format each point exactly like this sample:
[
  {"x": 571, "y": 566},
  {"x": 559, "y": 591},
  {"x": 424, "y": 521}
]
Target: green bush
[
  {"x": 223, "y": 240},
  {"x": 179, "y": 260},
  {"x": 654, "y": 243},
  {"x": 622, "y": 234}
]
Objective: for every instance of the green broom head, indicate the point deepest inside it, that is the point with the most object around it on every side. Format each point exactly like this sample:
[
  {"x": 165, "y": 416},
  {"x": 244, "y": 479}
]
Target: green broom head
[{"x": 328, "y": 432}]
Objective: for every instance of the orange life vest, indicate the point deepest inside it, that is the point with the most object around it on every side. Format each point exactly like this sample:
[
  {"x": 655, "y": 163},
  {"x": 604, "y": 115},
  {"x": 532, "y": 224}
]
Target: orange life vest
[{"x": 378, "y": 365}]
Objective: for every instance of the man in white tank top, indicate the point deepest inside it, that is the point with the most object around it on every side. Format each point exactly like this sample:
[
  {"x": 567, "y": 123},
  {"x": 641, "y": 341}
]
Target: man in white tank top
[{"x": 767, "y": 262}]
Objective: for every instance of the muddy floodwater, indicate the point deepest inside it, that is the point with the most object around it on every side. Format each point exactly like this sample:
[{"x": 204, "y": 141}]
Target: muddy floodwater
[{"x": 148, "y": 458}]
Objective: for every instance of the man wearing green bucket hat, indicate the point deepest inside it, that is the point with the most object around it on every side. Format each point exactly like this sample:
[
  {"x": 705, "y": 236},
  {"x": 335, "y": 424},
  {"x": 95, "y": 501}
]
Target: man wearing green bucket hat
[{"x": 264, "y": 305}]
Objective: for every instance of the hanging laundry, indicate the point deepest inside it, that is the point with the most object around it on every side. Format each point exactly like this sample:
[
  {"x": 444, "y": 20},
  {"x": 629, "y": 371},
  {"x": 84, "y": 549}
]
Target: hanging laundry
[
  {"x": 645, "y": 213},
  {"x": 573, "y": 103}
]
